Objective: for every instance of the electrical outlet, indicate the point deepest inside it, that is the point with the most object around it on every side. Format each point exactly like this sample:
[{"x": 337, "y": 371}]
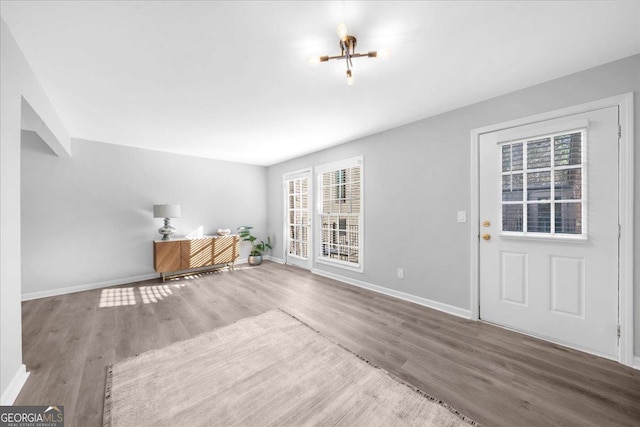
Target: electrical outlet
[
  {"x": 462, "y": 216},
  {"x": 401, "y": 273}
]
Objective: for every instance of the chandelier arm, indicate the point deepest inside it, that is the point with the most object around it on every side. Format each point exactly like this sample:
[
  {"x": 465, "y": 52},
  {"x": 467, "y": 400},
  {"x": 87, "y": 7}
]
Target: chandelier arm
[
  {"x": 360, "y": 55},
  {"x": 355, "y": 55}
]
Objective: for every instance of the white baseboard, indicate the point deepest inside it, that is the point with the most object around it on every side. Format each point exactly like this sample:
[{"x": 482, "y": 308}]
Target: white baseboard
[
  {"x": 13, "y": 389},
  {"x": 450, "y": 309},
  {"x": 79, "y": 288},
  {"x": 274, "y": 259},
  {"x": 636, "y": 362}
]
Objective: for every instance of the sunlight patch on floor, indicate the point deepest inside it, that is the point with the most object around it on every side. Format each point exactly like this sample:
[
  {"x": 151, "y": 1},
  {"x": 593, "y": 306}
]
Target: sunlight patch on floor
[
  {"x": 118, "y": 297},
  {"x": 155, "y": 293}
]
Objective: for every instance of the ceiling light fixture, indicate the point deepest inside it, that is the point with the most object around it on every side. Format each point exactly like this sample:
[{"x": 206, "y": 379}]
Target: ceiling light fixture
[{"x": 348, "y": 52}]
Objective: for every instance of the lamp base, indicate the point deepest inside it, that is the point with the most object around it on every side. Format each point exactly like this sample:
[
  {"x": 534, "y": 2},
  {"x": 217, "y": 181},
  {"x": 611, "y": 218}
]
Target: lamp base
[{"x": 167, "y": 230}]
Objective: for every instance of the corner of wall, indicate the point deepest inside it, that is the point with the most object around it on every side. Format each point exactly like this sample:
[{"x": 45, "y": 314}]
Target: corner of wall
[
  {"x": 10, "y": 394},
  {"x": 59, "y": 141}
]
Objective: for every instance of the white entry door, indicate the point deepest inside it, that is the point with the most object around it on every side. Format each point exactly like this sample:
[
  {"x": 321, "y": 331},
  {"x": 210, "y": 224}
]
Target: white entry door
[
  {"x": 549, "y": 230},
  {"x": 298, "y": 219}
]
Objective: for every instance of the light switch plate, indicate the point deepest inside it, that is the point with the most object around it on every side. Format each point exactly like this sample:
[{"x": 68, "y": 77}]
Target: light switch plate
[{"x": 462, "y": 216}]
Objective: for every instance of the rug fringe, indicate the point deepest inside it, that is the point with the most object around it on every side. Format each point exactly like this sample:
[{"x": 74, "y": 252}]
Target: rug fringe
[
  {"x": 389, "y": 374},
  {"x": 106, "y": 414}
]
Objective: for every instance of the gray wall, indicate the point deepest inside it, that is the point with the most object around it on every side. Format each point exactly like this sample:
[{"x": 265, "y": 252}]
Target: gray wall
[
  {"x": 416, "y": 178},
  {"x": 88, "y": 219}
]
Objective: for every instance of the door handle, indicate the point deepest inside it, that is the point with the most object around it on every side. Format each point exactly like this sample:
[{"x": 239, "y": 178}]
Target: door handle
[{"x": 486, "y": 236}]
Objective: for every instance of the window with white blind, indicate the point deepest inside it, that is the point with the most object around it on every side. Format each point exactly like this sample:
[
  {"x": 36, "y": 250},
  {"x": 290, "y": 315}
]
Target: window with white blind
[
  {"x": 339, "y": 207},
  {"x": 543, "y": 186}
]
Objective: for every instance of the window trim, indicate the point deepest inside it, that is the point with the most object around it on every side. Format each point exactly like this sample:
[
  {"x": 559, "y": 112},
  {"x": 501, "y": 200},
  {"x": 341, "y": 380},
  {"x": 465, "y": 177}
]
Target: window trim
[{"x": 318, "y": 258}]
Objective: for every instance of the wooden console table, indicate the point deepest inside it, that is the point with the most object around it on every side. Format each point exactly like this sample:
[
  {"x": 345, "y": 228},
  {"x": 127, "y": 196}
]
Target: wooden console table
[{"x": 174, "y": 256}]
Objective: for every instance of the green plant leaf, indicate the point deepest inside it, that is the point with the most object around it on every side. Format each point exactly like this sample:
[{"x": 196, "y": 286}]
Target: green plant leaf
[{"x": 246, "y": 236}]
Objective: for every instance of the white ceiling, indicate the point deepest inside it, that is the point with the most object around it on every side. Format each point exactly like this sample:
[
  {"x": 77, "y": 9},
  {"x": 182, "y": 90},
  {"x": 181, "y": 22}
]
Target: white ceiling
[{"x": 231, "y": 80}]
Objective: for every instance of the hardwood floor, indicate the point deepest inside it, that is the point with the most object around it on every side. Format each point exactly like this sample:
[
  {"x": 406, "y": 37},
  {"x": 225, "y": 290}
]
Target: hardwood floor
[{"x": 495, "y": 376}]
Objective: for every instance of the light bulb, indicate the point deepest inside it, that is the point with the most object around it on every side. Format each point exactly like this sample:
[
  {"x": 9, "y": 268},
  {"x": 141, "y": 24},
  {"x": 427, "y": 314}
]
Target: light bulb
[
  {"x": 349, "y": 77},
  {"x": 342, "y": 31},
  {"x": 384, "y": 53},
  {"x": 318, "y": 59}
]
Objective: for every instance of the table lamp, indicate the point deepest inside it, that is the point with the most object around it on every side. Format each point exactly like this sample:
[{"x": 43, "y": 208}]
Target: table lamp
[{"x": 167, "y": 212}]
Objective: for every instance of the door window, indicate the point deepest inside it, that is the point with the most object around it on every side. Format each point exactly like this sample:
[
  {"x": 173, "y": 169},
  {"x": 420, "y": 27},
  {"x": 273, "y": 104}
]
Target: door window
[{"x": 543, "y": 184}]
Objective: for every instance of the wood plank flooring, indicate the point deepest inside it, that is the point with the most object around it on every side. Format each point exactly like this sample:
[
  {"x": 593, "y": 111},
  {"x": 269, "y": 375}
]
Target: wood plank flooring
[{"x": 495, "y": 376}]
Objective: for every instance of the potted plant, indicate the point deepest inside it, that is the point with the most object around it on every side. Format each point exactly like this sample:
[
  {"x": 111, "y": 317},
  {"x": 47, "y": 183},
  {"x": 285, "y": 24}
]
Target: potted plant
[{"x": 255, "y": 255}]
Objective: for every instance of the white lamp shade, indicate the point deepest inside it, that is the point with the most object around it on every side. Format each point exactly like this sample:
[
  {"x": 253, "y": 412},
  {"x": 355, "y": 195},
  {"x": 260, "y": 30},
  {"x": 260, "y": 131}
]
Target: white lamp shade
[{"x": 166, "y": 211}]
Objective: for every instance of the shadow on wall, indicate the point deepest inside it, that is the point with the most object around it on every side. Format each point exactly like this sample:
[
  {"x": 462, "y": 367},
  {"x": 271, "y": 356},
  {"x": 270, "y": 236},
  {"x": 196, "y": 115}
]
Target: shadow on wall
[{"x": 31, "y": 142}]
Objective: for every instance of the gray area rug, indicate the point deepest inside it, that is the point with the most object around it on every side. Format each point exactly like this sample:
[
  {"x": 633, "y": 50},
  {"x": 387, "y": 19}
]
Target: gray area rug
[{"x": 270, "y": 369}]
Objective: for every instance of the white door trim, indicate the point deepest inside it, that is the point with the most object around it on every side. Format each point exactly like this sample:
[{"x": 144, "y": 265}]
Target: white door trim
[
  {"x": 306, "y": 172},
  {"x": 625, "y": 199}
]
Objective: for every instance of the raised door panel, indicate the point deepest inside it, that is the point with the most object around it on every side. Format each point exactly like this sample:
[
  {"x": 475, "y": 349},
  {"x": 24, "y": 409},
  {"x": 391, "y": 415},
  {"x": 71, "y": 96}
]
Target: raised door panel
[
  {"x": 514, "y": 277},
  {"x": 196, "y": 253},
  {"x": 166, "y": 256}
]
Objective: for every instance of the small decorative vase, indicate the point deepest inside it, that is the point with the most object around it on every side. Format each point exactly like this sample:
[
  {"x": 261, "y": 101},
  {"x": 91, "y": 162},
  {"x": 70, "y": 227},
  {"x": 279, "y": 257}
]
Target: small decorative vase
[{"x": 255, "y": 259}]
